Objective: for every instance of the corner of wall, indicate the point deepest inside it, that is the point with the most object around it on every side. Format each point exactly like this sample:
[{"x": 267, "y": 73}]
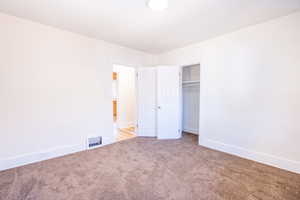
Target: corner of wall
[{"x": 274, "y": 161}]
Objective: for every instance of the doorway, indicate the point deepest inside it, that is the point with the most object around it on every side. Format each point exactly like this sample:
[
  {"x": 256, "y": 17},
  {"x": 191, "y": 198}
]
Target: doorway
[
  {"x": 168, "y": 99},
  {"x": 190, "y": 99},
  {"x": 124, "y": 102}
]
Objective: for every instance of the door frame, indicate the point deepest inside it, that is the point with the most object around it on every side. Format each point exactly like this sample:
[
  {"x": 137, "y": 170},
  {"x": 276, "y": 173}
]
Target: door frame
[
  {"x": 182, "y": 67},
  {"x": 136, "y": 92},
  {"x": 117, "y": 95},
  {"x": 200, "y": 88}
]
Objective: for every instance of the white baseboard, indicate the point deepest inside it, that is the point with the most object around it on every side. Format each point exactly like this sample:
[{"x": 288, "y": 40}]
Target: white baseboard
[
  {"x": 290, "y": 165},
  {"x": 39, "y": 156},
  {"x": 30, "y": 158}
]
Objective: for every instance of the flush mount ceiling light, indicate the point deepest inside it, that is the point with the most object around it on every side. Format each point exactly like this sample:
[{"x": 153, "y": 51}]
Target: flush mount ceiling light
[{"x": 158, "y": 5}]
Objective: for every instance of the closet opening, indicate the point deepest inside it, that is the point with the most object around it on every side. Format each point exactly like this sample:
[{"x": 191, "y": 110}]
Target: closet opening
[
  {"x": 190, "y": 99},
  {"x": 124, "y": 102}
]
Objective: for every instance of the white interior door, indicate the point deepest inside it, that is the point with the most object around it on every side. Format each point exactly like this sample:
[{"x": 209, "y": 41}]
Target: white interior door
[
  {"x": 169, "y": 102},
  {"x": 146, "y": 99}
]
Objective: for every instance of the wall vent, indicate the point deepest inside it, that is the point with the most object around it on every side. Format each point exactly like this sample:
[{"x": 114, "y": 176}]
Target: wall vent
[{"x": 94, "y": 142}]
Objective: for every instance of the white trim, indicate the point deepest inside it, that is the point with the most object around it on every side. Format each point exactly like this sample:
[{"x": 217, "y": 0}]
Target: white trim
[
  {"x": 290, "y": 165},
  {"x": 30, "y": 158}
]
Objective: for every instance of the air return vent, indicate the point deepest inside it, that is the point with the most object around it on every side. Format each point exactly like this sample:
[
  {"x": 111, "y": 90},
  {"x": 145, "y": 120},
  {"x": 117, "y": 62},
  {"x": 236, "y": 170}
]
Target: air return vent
[{"x": 94, "y": 142}]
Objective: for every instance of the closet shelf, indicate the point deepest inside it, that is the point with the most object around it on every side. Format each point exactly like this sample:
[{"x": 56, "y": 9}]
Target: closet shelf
[{"x": 190, "y": 82}]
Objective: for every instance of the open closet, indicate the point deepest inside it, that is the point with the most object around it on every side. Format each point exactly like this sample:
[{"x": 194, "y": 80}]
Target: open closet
[
  {"x": 190, "y": 98},
  {"x": 168, "y": 101}
]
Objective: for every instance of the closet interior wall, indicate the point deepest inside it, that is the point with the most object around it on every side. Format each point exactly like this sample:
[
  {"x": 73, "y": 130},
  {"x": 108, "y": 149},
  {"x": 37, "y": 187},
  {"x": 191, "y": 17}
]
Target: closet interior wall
[{"x": 190, "y": 98}]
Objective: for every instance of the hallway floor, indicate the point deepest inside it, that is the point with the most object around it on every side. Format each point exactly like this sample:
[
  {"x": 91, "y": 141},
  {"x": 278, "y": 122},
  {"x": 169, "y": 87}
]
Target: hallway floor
[{"x": 126, "y": 133}]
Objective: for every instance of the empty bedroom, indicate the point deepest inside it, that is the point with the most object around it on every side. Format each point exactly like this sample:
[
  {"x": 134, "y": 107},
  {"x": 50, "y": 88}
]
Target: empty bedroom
[{"x": 150, "y": 100}]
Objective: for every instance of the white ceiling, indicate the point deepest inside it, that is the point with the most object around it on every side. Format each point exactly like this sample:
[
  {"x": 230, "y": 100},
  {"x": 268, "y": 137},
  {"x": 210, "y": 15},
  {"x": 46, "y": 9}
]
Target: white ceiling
[{"x": 132, "y": 24}]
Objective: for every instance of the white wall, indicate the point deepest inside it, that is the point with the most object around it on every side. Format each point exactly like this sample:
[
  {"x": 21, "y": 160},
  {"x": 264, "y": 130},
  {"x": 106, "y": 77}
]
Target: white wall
[
  {"x": 126, "y": 101},
  {"x": 55, "y": 90},
  {"x": 250, "y": 91}
]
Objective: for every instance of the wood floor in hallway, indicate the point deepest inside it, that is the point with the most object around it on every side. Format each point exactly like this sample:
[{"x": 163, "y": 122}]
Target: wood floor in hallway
[{"x": 126, "y": 133}]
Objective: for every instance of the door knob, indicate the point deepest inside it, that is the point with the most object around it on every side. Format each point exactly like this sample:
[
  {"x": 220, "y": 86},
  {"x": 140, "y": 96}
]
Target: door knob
[{"x": 158, "y": 107}]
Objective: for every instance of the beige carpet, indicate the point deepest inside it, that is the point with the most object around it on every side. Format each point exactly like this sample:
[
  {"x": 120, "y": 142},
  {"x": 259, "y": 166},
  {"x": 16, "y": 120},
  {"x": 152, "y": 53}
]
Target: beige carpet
[{"x": 150, "y": 169}]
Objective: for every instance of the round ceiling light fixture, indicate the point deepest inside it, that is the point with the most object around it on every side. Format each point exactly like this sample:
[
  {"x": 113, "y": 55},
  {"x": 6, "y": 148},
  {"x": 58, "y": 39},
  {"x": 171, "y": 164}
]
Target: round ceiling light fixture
[{"x": 158, "y": 5}]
